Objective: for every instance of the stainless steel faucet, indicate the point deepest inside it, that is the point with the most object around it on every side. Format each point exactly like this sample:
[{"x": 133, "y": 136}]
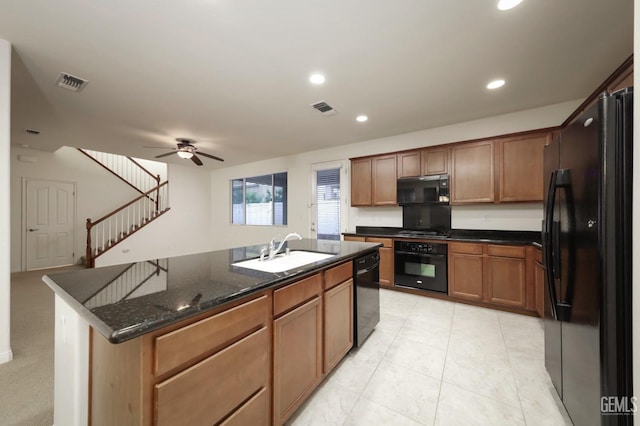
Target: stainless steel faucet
[{"x": 273, "y": 251}]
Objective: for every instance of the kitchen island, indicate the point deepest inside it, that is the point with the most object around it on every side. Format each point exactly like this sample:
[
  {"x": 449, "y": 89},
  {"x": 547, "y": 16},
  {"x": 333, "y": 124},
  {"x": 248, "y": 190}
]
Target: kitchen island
[{"x": 196, "y": 340}]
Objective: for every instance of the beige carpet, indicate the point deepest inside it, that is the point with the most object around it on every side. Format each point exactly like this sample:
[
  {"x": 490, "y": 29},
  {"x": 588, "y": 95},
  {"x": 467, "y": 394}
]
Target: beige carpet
[{"x": 26, "y": 383}]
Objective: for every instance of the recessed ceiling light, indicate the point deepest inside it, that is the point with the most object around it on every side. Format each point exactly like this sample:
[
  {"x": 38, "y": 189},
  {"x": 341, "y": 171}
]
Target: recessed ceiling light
[
  {"x": 317, "y": 78},
  {"x": 495, "y": 84},
  {"x": 508, "y": 4},
  {"x": 362, "y": 118}
]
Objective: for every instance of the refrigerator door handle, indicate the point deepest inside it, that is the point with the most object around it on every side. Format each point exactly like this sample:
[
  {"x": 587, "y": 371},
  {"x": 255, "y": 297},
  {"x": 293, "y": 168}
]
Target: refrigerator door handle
[
  {"x": 560, "y": 179},
  {"x": 549, "y": 247}
]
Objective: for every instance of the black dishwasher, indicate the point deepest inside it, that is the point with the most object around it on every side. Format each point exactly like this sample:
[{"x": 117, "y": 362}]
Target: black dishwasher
[{"x": 366, "y": 273}]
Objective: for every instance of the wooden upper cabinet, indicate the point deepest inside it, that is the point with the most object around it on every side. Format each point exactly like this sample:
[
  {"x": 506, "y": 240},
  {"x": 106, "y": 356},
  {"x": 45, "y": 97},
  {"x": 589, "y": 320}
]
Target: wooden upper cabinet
[
  {"x": 384, "y": 172},
  {"x": 435, "y": 161},
  {"x": 520, "y": 165},
  {"x": 361, "y": 182},
  {"x": 472, "y": 173},
  {"x": 409, "y": 164}
]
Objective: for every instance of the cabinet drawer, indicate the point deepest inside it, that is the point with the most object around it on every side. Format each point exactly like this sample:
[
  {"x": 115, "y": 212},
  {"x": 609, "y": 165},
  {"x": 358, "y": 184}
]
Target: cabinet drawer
[
  {"x": 254, "y": 412},
  {"x": 352, "y": 238},
  {"x": 337, "y": 275},
  {"x": 506, "y": 251},
  {"x": 208, "y": 391},
  {"x": 180, "y": 346},
  {"x": 465, "y": 248},
  {"x": 386, "y": 242},
  {"x": 296, "y": 293}
]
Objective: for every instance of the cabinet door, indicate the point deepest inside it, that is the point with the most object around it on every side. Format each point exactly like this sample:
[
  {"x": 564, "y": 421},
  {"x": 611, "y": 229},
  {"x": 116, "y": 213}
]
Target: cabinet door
[
  {"x": 505, "y": 279},
  {"x": 338, "y": 323},
  {"x": 465, "y": 276},
  {"x": 472, "y": 178},
  {"x": 386, "y": 260},
  {"x": 520, "y": 168},
  {"x": 297, "y": 358},
  {"x": 361, "y": 182},
  {"x": 435, "y": 161},
  {"x": 409, "y": 164},
  {"x": 539, "y": 285},
  {"x": 384, "y": 180}
]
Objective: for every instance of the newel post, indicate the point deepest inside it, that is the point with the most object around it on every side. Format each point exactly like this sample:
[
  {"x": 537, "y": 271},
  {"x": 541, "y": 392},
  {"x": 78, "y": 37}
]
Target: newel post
[{"x": 89, "y": 254}]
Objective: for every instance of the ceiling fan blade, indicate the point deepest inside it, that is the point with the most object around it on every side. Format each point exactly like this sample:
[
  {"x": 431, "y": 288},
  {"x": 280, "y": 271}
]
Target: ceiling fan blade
[
  {"x": 196, "y": 160},
  {"x": 158, "y": 147},
  {"x": 213, "y": 157},
  {"x": 164, "y": 155}
]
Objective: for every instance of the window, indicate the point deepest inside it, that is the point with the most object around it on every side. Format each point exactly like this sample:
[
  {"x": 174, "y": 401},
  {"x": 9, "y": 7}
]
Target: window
[{"x": 259, "y": 200}]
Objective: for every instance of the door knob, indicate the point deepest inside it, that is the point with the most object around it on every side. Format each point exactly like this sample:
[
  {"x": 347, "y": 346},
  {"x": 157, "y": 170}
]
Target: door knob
[{"x": 32, "y": 229}]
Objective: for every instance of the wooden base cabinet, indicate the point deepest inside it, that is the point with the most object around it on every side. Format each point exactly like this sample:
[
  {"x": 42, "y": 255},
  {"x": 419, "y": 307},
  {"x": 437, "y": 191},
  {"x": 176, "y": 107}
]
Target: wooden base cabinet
[
  {"x": 251, "y": 363},
  {"x": 229, "y": 377},
  {"x": 387, "y": 256},
  {"x": 492, "y": 274},
  {"x": 465, "y": 271},
  {"x": 297, "y": 357},
  {"x": 338, "y": 323},
  {"x": 505, "y": 279},
  {"x": 539, "y": 283},
  {"x": 206, "y": 370},
  {"x": 297, "y": 344}
]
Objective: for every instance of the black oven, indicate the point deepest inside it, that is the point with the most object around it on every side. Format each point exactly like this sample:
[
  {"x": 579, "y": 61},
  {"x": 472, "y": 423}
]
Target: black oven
[{"x": 421, "y": 265}]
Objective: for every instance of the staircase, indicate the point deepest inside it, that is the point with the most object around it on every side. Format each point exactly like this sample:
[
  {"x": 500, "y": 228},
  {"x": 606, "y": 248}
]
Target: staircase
[{"x": 111, "y": 229}]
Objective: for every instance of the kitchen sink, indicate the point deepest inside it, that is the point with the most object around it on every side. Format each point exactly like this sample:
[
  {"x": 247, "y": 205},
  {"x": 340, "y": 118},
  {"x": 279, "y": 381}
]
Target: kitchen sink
[{"x": 284, "y": 262}]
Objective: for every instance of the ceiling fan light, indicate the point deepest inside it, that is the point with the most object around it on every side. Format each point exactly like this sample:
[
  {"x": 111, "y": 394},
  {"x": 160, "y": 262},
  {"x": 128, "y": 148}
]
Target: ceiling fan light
[{"x": 185, "y": 154}]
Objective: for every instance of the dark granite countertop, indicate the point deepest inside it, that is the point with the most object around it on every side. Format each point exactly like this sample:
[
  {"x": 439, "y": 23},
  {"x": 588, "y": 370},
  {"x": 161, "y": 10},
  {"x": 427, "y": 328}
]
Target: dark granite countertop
[
  {"x": 470, "y": 235},
  {"x": 126, "y": 301}
]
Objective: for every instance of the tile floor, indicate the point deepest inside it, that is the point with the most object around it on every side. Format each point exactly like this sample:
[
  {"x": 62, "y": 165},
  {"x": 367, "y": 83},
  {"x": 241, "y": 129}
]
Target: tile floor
[{"x": 433, "y": 362}]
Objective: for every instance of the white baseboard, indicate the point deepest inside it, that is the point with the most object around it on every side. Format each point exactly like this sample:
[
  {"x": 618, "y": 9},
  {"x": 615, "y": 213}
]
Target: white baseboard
[{"x": 6, "y": 356}]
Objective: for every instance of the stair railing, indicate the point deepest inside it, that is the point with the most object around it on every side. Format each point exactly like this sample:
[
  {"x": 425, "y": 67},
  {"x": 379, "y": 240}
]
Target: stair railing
[
  {"x": 125, "y": 168},
  {"x": 108, "y": 231}
]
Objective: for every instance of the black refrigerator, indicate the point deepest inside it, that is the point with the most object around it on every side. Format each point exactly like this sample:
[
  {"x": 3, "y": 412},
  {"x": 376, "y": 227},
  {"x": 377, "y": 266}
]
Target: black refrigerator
[{"x": 586, "y": 240}]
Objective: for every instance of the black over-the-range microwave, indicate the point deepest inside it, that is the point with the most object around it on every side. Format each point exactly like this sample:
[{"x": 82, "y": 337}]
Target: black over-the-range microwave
[{"x": 423, "y": 190}]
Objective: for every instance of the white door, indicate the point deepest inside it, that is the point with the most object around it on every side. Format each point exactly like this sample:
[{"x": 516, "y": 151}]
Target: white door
[
  {"x": 49, "y": 219},
  {"x": 328, "y": 201}
]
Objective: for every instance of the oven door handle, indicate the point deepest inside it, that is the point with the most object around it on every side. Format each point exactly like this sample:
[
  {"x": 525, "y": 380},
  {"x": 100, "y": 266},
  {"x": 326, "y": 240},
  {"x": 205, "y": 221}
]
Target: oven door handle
[{"x": 410, "y": 253}]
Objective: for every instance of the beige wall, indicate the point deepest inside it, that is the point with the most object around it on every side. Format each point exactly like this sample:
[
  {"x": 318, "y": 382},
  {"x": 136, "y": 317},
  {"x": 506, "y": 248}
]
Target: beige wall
[
  {"x": 5, "y": 227},
  {"x": 522, "y": 217}
]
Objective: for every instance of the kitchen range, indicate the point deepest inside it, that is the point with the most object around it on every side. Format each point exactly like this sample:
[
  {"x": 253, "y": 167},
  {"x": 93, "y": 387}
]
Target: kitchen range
[{"x": 423, "y": 265}]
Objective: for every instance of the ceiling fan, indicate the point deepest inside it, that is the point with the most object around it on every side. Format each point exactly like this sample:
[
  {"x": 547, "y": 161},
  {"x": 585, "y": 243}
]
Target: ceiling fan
[{"x": 187, "y": 150}]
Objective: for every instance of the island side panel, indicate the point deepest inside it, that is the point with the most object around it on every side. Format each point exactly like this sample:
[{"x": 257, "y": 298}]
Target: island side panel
[
  {"x": 116, "y": 382},
  {"x": 71, "y": 366}
]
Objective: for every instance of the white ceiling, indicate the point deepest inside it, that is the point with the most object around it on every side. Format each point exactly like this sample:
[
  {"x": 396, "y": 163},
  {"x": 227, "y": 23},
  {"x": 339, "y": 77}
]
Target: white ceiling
[{"x": 233, "y": 74}]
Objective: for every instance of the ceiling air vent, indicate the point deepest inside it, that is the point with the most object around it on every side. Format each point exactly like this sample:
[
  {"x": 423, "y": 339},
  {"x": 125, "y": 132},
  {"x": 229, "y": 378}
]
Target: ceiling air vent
[
  {"x": 324, "y": 108},
  {"x": 71, "y": 82}
]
